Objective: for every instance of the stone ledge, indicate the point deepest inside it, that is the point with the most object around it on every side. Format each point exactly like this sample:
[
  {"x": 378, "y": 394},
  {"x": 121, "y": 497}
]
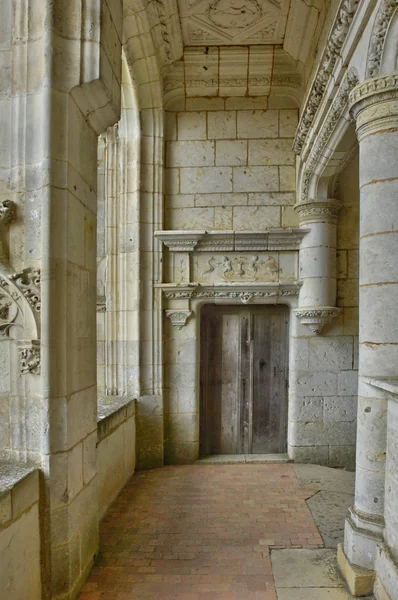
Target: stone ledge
[
  {"x": 19, "y": 490},
  {"x": 386, "y": 384},
  {"x": 360, "y": 581},
  {"x": 112, "y": 412}
]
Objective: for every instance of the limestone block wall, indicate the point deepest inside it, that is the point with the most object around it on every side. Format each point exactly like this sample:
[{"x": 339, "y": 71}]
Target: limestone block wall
[
  {"x": 229, "y": 165},
  {"x": 324, "y": 369},
  {"x": 20, "y": 569}
]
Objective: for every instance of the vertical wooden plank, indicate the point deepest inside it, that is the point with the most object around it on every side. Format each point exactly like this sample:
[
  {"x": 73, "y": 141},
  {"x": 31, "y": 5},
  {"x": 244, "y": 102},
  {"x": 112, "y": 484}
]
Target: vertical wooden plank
[
  {"x": 229, "y": 380},
  {"x": 245, "y": 383},
  {"x": 261, "y": 381}
]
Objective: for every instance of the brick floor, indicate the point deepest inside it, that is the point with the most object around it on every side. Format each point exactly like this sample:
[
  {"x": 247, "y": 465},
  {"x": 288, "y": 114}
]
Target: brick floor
[{"x": 200, "y": 532}]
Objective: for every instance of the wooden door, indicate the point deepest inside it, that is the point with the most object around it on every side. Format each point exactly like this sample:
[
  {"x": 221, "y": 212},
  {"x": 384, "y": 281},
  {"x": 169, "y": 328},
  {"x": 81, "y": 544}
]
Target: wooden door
[{"x": 243, "y": 380}]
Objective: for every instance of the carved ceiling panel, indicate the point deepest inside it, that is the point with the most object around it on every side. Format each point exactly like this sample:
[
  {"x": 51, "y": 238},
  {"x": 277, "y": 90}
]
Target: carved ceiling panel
[{"x": 220, "y": 22}]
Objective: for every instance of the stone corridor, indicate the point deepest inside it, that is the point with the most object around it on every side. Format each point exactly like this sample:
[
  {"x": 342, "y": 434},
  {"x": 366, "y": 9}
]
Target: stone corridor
[{"x": 208, "y": 531}]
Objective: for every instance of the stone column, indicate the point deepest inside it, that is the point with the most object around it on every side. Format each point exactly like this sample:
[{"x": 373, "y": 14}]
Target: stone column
[
  {"x": 318, "y": 263},
  {"x": 374, "y": 105}
]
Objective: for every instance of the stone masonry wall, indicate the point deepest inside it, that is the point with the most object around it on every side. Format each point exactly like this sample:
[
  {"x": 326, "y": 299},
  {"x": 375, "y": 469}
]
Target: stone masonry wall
[
  {"x": 230, "y": 165},
  {"x": 324, "y": 369}
]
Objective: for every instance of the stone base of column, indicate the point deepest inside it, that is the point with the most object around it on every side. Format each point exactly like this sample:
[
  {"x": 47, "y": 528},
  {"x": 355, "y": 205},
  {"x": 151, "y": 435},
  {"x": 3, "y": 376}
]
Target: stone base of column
[
  {"x": 363, "y": 536},
  {"x": 386, "y": 585},
  {"x": 359, "y": 581}
]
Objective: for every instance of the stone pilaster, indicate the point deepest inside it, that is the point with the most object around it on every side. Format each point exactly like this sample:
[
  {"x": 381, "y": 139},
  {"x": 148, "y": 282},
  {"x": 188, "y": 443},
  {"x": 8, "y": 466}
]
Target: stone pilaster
[
  {"x": 374, "y": 105},
  {"x": 318, "y": 263}
]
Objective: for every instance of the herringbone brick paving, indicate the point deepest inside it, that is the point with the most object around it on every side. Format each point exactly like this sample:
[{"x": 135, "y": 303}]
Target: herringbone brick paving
[{"x": 200, "y": 532}]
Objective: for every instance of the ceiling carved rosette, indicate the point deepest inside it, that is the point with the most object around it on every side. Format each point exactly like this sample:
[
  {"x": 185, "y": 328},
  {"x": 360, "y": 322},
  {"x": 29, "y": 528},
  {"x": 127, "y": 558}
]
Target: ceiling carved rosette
[{"x": 233, "y": 22}]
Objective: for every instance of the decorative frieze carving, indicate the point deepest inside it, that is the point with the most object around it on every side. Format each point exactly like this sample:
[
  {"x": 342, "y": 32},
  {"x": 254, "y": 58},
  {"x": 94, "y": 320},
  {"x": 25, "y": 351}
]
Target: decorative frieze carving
[
  {"x": 320, "y": 211},
  {"x": 236, "y": 267},
  {"x": 29, "y": 355},
  {"x": 316, "y": 318},
  {"x": 374, "y": 105},
  {"x": 178, "y": 318},
  {"x": 339, "y": 105},
  {"x": 224, "y": 241},
  {"x": 335, "y": 42},
  {"x": 378, "y": 37}
]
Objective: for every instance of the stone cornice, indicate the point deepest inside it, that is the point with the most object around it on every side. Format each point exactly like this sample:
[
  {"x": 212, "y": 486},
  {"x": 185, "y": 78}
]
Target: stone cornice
[
  {"x": 224, "y": 241},
  {"x": 374, "y": 104},
  {"x": 339, "y": 105},
  {"x": 334, "y": 44},
  {"x": 318, "y": 211},
  {"x": 379, "y": 33}
]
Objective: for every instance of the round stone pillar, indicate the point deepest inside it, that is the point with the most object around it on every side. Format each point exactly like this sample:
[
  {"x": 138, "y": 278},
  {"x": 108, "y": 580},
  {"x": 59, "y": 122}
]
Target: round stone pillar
[
  {"x": 318, "y": 263},
  {"x": 374, "y": 106}
]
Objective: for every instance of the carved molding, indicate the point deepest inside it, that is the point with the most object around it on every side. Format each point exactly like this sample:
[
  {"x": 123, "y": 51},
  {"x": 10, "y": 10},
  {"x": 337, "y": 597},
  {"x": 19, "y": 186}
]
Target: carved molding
[
  {"x": 318, "y": 211},
  {"x": 377, "y": 40},
  {"x": 231, "y": 291},
  {"x": 178, "y": 318},
  {"x": 334, "y": 44},
  {"x": 179, "y": 241},
  {"x": 316, "y": 318},
  {"x": 29, "y": 355},
  {"x": 374, "y": 104},
  {"x": 7, "y": 212},
  {"x": 226, "y": 241},
  {"x": 20, "y": 303},
  {"x": 339, "y": 105},
  {"x": 28, "y": 281}
]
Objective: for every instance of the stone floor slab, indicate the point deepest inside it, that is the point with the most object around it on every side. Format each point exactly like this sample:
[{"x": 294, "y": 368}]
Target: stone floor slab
[
  {"x": 305, "y": 569},
  {"x": 325, "y": 478},
  {"x": 329, "y": 510}
]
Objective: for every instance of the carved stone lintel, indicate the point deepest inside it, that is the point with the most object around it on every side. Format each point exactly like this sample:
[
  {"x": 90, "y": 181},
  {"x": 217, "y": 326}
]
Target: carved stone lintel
[
  {"x": 374, "y": 105},
  {"x": 231, "y": 291},
  {"x": 29, "y": 355},
  {"x": 178, "y": 318},
  {"x": 316, "y": 318},
  {"x": 319, "y": 211}
]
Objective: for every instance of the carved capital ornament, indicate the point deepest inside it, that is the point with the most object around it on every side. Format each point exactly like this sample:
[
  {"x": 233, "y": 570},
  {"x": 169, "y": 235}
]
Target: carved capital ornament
[{"x": 374, "y": 105}]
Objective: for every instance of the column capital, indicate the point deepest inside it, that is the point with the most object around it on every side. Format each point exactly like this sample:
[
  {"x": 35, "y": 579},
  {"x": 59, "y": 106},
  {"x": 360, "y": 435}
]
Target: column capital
[
  {"x": 374, "y": 105},
  {"x": 318, "y": 211}
]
